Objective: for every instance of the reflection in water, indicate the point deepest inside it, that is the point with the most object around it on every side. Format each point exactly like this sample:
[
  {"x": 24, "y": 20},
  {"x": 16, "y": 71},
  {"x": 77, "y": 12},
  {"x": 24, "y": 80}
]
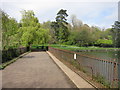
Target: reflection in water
[{"x": 108, "y": 55}]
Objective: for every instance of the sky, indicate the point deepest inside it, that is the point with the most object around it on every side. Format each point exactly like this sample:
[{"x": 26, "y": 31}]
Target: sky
[{"x": 101, "y": 13}]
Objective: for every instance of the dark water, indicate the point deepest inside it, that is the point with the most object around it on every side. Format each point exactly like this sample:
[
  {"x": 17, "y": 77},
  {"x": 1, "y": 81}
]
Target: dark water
[{"x": 108, "y": 55}]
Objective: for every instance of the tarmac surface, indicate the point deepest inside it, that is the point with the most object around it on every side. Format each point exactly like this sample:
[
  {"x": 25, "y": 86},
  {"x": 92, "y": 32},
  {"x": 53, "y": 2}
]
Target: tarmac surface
[{"x": 35, "y": 70}]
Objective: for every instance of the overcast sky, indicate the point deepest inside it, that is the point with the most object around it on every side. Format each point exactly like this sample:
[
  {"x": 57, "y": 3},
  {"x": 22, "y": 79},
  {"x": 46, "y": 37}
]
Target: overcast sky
[{"x": 101, "y": 13}]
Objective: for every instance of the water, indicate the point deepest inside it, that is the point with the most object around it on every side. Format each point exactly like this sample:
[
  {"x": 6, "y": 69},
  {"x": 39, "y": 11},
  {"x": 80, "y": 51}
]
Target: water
[
  {"x": 108, "y": 70},
  {"x": 107, "y": 55}
]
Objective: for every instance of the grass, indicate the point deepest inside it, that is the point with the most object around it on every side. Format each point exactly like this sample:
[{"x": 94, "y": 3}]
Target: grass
[
  {"x": 76, "y": 48},
  {"x": 77, "y": 65},
  {"x": 102, "y": 80},
  {"x": 97, "y": 78}
]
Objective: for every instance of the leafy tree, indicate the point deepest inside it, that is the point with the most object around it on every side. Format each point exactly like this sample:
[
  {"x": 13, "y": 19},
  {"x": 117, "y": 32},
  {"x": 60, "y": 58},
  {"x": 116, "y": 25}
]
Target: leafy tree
[
  {"x": 31, "y": 31},
  {"x": 104, "y": 42},
  {"x": 9, "y": 31},
  {"x": 60, "y": 26},
  {"x": 29, "y": 25},
  {"x": 82, "y": 37},
  {"x": 116, "y": 33},
  {"x": 55, "y": 26},
  {"x": 42, "y": 36},
  {"x": 51, "y": 32},
  {"x": 0, "y": 30},
  {"x": 76, "y": 23}
]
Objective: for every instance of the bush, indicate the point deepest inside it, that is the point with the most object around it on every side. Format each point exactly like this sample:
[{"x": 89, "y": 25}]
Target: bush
[
  {"x": 9, "y": 54},
  {"x": 104, "y": 43}
]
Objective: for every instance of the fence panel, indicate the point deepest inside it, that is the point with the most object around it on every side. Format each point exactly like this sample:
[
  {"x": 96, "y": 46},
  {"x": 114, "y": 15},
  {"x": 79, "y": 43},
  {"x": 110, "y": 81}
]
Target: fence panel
[
  {"x": 108, "y": 70},
  {"x": 9, "y": 54}
]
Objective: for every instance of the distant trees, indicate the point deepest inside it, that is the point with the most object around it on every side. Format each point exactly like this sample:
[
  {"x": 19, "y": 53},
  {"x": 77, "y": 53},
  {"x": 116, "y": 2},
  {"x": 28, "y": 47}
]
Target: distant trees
[
  {"x": 29, "y": 26},
  {"x": 9, "y": 31},
  {"x": 30, "y": 31},
  {"x": 84, "y": 35},
  {"x": 116, "y": 33},
  {"x": 80, "y": 36},
  {"x": 60, "y": 27},
  {"x": 75, "y": 23}
]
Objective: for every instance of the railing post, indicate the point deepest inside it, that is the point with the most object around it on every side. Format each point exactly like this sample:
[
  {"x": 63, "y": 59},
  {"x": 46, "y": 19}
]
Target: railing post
[{"x": 114, "y": 74}]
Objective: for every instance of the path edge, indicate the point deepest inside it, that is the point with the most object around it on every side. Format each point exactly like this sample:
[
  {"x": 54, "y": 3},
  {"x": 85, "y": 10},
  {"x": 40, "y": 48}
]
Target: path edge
[
  {"x": 74, "y": 81},
  {"x": 3, "y": 66}
]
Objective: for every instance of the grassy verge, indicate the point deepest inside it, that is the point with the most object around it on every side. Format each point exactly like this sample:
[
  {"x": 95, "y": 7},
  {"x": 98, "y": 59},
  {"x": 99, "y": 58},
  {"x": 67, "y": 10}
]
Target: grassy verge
[
  {"x": 11, "y": 61},
  {"x": 76, "y": 48},
  {"x": 102, "y": 80}
]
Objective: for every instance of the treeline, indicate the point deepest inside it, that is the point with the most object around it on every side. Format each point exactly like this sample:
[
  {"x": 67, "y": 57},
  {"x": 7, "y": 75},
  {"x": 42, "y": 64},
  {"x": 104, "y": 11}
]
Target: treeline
[{"x": 29, "y": 31}]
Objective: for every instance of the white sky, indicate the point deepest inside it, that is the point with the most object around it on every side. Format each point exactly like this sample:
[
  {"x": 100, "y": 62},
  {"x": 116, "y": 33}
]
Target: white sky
[{"x": 101, "y": 13}]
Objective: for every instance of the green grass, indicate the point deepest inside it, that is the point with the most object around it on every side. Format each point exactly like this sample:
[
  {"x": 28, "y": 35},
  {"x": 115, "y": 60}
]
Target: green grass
[
  {"x": 76, "y": 48},
  {"x": 101, "y": 79}
]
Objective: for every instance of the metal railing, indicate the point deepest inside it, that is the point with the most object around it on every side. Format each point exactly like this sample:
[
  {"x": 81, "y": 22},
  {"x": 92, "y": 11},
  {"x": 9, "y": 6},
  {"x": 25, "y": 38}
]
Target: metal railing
[
  {"x": 108, "y": 72},
  {"x": 39, "y": 48}
]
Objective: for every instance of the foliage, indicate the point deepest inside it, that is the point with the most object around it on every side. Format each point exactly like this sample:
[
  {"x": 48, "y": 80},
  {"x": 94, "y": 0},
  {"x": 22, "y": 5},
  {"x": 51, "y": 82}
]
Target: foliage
[
  {"x": 11, "y": 53},
  {"x": 84, "y": 35},
  {"x": 116, "y": 34},
  {"x": 5, "y": 64},
  {"x": 9, "y": 31},
  {"x": 31, "y": 31},
  {"x": 102, "y": 80},
  {"x": 104, "y": 42},
  {"x": 75, "y": 23},
  {"x": 60, "y": 27},
  {"x": 76, "y": 48}
]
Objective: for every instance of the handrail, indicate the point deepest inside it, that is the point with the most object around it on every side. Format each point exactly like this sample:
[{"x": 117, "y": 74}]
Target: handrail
[{"x": 104, "y": 60}]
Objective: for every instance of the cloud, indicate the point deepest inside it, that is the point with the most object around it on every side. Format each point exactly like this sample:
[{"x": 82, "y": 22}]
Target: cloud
[
  {"x": 13, "y": 8},
  {"x": 59, "y": 1},
  {"x": 101, "y": 13},
  {"x": 94, "y": 13}
]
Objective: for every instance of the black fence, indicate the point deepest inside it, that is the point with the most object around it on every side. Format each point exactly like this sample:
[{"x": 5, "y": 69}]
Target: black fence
[
  {"x": 39, "y": 48},
  {"x": 9, "y": 54}
]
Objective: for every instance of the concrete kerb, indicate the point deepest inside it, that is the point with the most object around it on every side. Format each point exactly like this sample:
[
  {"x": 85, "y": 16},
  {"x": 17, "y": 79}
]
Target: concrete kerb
[{"x": 75, "y": 78}]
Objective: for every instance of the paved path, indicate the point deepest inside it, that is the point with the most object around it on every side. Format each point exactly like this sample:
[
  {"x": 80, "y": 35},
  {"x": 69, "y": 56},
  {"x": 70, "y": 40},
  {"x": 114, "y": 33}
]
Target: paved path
[
  {"x": 35, "y": 70},
  {"x": 78, "y": 81}
]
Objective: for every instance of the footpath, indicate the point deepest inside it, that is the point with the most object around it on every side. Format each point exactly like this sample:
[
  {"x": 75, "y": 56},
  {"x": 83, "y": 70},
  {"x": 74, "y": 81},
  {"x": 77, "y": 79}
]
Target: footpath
[{"x": 39, "y": 70}]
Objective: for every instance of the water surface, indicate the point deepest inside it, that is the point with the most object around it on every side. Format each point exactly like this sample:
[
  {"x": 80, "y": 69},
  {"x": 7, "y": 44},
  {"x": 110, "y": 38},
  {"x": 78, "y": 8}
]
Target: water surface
[{"x": 108, "y": 55}]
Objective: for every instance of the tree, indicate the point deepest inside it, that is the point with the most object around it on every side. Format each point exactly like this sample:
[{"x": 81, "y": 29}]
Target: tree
[
  {"x": 55, "y": 27},
  {"x": 29, "y": 26},
  {"x": 76, "y": 23},
  {"x": 9, "y": 31},
  {"x": 104, "y": 43},
  {"x": 51, "y": 32},
  {"x": 116, "y": 33},
  {"x": 81, "y": 37},
  {"x": 30, "y": 30},
  {"x": 60, "y": 26}
]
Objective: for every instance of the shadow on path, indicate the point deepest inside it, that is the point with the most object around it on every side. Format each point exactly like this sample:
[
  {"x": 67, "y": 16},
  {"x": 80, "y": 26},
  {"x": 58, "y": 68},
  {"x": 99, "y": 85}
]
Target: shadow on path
[{"x": 35, "y": 70}]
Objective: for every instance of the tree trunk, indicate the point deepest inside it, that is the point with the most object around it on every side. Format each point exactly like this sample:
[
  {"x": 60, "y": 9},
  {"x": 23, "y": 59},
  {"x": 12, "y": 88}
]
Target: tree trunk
[{"x": 28, "y": 47}]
